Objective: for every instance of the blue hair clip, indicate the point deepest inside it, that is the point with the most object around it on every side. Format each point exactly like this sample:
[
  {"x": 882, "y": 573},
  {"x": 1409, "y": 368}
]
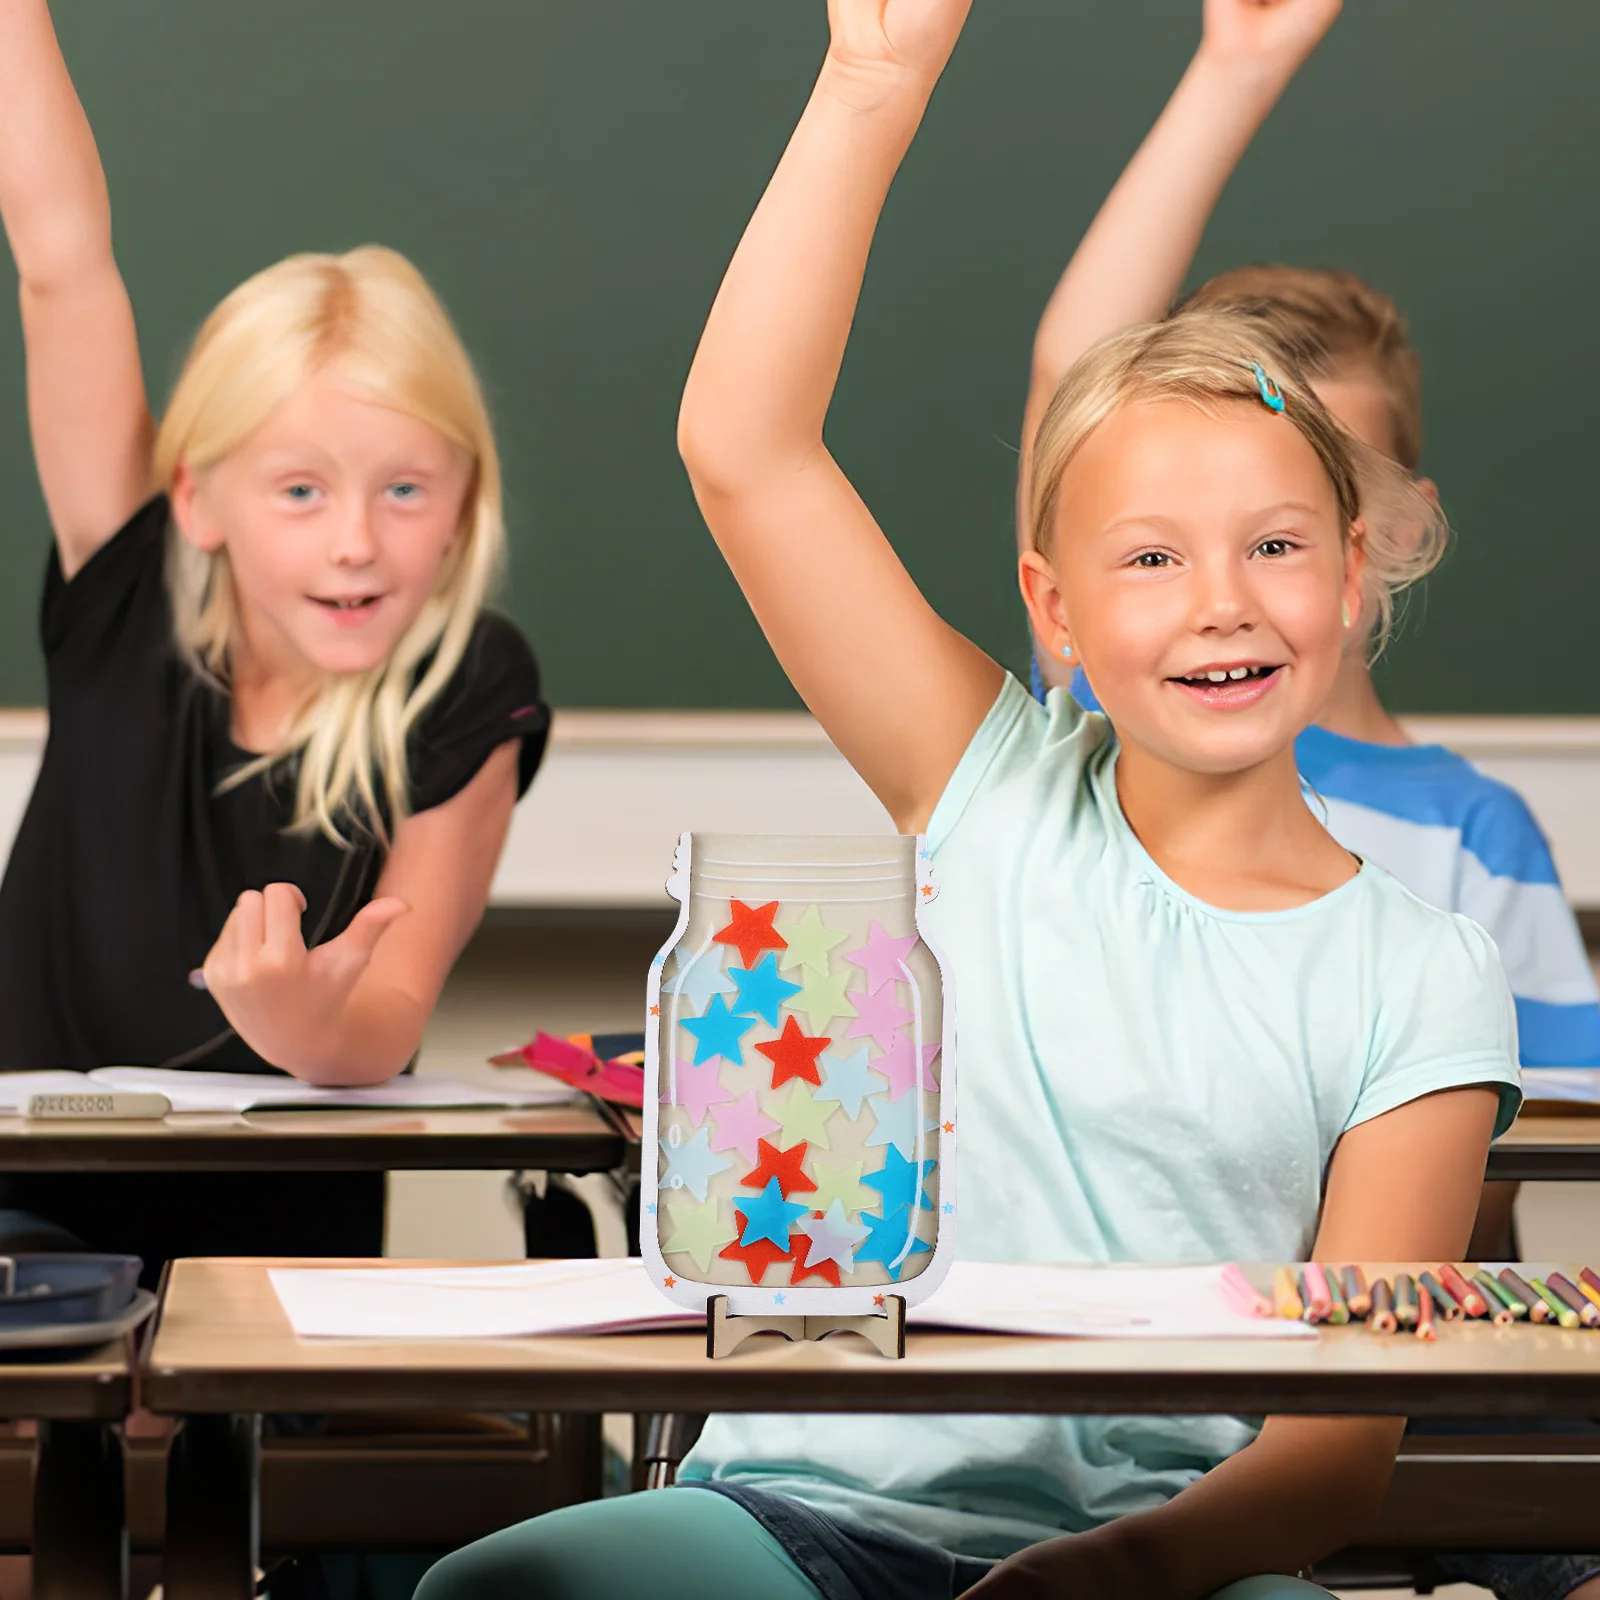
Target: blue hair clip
[{"x": 1271, "y": 394}]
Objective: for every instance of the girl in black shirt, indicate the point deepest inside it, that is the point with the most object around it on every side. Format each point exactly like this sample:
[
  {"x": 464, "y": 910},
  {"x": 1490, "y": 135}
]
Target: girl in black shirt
[{"x": 285, "y": 737}]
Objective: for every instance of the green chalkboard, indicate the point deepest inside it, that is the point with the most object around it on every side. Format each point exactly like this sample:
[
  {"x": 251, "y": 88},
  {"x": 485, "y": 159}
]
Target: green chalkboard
[{"x": 573, "y": 176}]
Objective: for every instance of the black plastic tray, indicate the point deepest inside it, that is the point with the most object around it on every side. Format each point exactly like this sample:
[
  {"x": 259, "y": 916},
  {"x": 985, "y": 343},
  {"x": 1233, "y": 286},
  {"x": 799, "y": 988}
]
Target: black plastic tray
[{"x": 40, "y": 1291}]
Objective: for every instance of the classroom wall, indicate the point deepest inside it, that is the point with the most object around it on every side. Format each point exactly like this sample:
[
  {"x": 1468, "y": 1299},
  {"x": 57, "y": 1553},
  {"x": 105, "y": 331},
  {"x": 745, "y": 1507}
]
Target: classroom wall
[{"x": 574, "y": 176}]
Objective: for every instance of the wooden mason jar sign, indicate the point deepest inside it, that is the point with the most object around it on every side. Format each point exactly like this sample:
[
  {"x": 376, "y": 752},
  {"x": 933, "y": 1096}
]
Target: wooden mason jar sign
[{"x": 799, "y": 1149}]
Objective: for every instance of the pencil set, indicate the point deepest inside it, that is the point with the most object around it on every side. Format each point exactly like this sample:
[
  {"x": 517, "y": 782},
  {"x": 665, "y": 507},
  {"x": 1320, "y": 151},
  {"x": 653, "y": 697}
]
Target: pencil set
[{"x": 1416, "y": 1304}]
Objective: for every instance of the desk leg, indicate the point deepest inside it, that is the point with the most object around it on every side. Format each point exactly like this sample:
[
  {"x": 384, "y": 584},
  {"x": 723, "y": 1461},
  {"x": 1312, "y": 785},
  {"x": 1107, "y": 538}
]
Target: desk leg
[
  {"x": 80, "y": 1536},
  {"x": 577, "y": 1458},
  {"x": 213, "y": 1509}
]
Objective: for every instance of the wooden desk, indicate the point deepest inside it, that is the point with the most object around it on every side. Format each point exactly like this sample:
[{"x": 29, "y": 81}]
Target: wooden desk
[
  {"x": 572, "y": 1137},
  {"x": 79, "y": 1542},
  {"x": 1549, "y": 1148}
]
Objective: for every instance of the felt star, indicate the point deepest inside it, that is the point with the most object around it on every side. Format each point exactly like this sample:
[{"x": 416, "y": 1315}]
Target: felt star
[
  {"x": 888, "y": 1240},
  {"x": 949, "y": 1208},
  {"x": 718, "y": 1033},
  {"x": 845, "y": 1079},
  {"x": 699, "y": 1088},
  {"x": 881, "y": 957},
  {"x": 740, "y": 1126},
  {"x": 762, "y": 990},
  {"x": 780, "y": 1299},
  {"x": 810, "y": 940},
  {"x": 781, "y": 1167},
  {"x": 899, "y": 1182},
  {"x": 793, "y": 1054},
  {"x": 698, "y": 978},
  {"x": 899, "y": 1065},
  {"x": 751, "y": 931},
  {"x": 842, "y": 1185},
  {"x": 925, "y": 854},
  {"x": 878, "y": 1017},
  {"x": 768, "y": 1215},
  {"x": 650, "y": 1211},
  {"x": 754, "y": 1258},
  {"x": 896, "y": 1123},
  {"x": 833, "y": 1237},
  {"x": 691, "y": 1165},
  {"x": 822, "y": 998},
  {"x": 803, "y": 1116},
  {"x": 879, "y": 1299},
  {"x": 670, "y": 1281},
  {"x": 828, "y": 1271},
  {"x": 697, "y": 1232}
]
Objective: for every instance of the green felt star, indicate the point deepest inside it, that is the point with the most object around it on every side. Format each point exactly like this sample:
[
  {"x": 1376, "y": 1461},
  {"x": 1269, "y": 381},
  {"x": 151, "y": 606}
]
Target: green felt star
[
  {"x": 801, "y": 1117},
  {"x": 842, "y": 1184},
  {"x": 697, "y": 1232},
  {"x": 822, "y": 999},
  {"x": 810, "y": 940}
]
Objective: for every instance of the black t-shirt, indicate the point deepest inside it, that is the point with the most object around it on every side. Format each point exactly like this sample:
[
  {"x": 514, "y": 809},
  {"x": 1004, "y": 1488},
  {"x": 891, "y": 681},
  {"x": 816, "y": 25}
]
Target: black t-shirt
[{"x": 129, "y": 860}]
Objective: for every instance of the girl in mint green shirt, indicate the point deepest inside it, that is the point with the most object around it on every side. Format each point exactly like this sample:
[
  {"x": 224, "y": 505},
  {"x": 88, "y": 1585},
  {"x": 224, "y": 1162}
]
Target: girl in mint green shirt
[{"x": 1191, "y": 1025}]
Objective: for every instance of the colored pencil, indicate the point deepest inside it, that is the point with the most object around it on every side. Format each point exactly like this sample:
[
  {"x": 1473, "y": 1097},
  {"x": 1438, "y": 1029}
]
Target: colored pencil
[
  {"x": 1502, "y": 1308},
  {"x": 1243, "y": 1295},
  {"x": 1445, "y": 1303},
  {"x": 1562, "y": 1288},
  {"x": 1319, "y": 1307},
  {"x": 1381, "y": 1319},
  {"x": 1590, "y": 1285},
  {"x": 1405, "y": 1300},
  {"x": 1425, "y": 1327},
  {"x": 1338, "y": 1311},
  {"x": 1472, "y": 1302},
  {"x": 1522, "y": 1291},
  {"x": 1356, "y": 1293},
  {"x": 1563, "y": 1313},
  {"x": 1286, "y": 1295}
]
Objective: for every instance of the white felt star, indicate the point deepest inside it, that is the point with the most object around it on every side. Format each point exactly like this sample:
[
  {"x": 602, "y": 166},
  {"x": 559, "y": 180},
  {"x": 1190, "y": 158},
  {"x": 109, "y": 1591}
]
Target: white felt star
[{"x": 833, "y": 1238}]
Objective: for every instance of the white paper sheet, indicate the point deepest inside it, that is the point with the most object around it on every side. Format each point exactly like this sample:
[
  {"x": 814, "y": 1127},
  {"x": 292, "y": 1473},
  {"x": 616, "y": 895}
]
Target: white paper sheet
[
  {"x": 614, "y": 1296},
  {"x": 244, "y": 1091},
  {"x": 1578, "y": 1084}
]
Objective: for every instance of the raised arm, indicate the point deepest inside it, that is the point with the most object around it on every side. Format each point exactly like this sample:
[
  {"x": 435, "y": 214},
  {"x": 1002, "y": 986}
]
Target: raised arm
[
  {"x": 899, "y": 691},
  {"x": 86, "y": 398},
  {"x": 1137, "y": 252}
]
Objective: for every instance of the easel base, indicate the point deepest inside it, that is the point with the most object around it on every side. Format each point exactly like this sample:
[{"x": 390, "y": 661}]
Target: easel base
[{"x": 726, "y": 1332}]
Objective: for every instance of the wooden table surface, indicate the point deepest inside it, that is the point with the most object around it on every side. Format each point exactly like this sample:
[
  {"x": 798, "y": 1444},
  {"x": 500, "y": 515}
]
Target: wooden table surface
[
  {"x": 568, "y": 1137},
  {"x": 223, "y": 1344},
  {"x": 94, "y": 1386}
]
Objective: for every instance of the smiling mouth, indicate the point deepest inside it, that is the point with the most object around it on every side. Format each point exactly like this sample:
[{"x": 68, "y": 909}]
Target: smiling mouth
[
  {"x": 1220, "y": 675},
  {"x": 360, "y": 602}
]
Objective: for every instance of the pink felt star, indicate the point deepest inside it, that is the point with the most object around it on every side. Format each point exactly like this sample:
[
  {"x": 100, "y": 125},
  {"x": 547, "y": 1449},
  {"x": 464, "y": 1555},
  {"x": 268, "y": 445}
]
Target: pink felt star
[
  {"x": 699, "y": 1088},
  {"x": 899, "y": 1065},
  {"x": 881, "y": 956},
  {"x": 740, "y": 1126},
  {"x": 877, "y": 1016}
]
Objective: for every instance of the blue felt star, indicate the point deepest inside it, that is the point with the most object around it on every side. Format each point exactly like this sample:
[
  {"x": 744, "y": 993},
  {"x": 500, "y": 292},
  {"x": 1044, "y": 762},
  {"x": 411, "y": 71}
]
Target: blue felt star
[
  {"x": 847, "y": 1080},
  {"x": 768, "y": 1215},
  {"x": 761, "y": 990},
  {"x": 888, "y": 1239},
  {"x": 900, "y": 1182},
  {"x": 696, "y": 979},
  {"x": 925, "y": 854},
  {"x": 649, "y": 1211},
  {"x": 718, "y": 1033},
  {"x": 897, "y": 1123},
  {"x": 949, "y": 1208},
  {"x": 692, "y": 1165},
  {"x": 780, "y": 1298}
]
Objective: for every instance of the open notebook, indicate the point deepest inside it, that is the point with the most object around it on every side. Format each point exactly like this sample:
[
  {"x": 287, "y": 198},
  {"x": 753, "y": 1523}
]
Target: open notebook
[
  {"x": 246, "y": 1091},
  {"x": 616, "y": 1296}
]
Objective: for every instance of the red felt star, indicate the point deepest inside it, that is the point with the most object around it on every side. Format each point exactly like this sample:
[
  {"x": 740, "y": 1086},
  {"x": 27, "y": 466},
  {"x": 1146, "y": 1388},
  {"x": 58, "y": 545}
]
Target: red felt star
[
  {"x": 671, "y": 1283},
  {"x": 877, "y": 1299},
  {"x": 756, "y": 1257},
  {"x": 794, "y": 1055},
  {"x": 784, "y": 1165},
  {"x": 826, "y": 1269},
  {"x": 751, "y": 932},
  {"x": 655, "y": 1011},
  {"x": 927, "y": 890},
  {"x": 949, "y": 1127}
]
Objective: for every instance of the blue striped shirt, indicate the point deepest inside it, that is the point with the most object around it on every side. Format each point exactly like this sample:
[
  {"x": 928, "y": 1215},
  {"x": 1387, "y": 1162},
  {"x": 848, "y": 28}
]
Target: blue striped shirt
[{"x": 1467, "y": 843}]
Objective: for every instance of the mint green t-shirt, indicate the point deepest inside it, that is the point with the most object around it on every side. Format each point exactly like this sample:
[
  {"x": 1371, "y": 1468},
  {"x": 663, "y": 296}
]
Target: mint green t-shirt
[{"x": 1142, "y": 1077}]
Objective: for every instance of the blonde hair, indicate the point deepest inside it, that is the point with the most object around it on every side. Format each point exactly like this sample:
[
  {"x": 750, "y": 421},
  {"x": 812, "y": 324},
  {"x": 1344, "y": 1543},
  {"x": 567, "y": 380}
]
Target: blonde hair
[
  {"x": 1208, "y": 358},
  {"x": 372, "y": 313},
  {"x": 1337, "y": 324}
]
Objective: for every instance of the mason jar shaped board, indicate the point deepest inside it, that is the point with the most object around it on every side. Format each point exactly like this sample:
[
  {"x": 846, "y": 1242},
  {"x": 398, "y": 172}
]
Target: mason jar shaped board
[{"x": 799, "y": 1149}]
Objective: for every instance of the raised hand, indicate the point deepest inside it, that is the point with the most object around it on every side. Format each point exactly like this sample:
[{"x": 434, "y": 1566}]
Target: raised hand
[
  {"x": 900, "y": 38},
  {"x": 282, "y": 999},
  {"x": 1275, "y": 35}
]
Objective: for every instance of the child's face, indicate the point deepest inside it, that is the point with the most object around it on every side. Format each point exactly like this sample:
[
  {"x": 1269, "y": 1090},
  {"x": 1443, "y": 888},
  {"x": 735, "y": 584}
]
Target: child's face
[
  {"x": 1187, "y": 545},
  {"x": 336, "y": 515},
  {"x": 1358, "y": 403}
]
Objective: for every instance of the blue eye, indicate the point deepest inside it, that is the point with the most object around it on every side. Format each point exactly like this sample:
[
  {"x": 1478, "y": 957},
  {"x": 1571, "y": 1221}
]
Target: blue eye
[
  {"x": 405, "y": 491},
  {"x": 300, "y": 492}
]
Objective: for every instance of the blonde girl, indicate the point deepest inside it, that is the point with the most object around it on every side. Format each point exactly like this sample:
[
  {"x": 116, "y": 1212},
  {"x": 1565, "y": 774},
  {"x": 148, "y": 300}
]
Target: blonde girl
[
  {"x": 285, "y": 737},
  {"x": 1192, "y": 1026}
]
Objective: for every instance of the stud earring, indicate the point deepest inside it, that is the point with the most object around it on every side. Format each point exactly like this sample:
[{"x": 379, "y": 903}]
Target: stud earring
[
  {"x": 1066, "y": 652},
  {"x": 1344, "y": 612}
]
